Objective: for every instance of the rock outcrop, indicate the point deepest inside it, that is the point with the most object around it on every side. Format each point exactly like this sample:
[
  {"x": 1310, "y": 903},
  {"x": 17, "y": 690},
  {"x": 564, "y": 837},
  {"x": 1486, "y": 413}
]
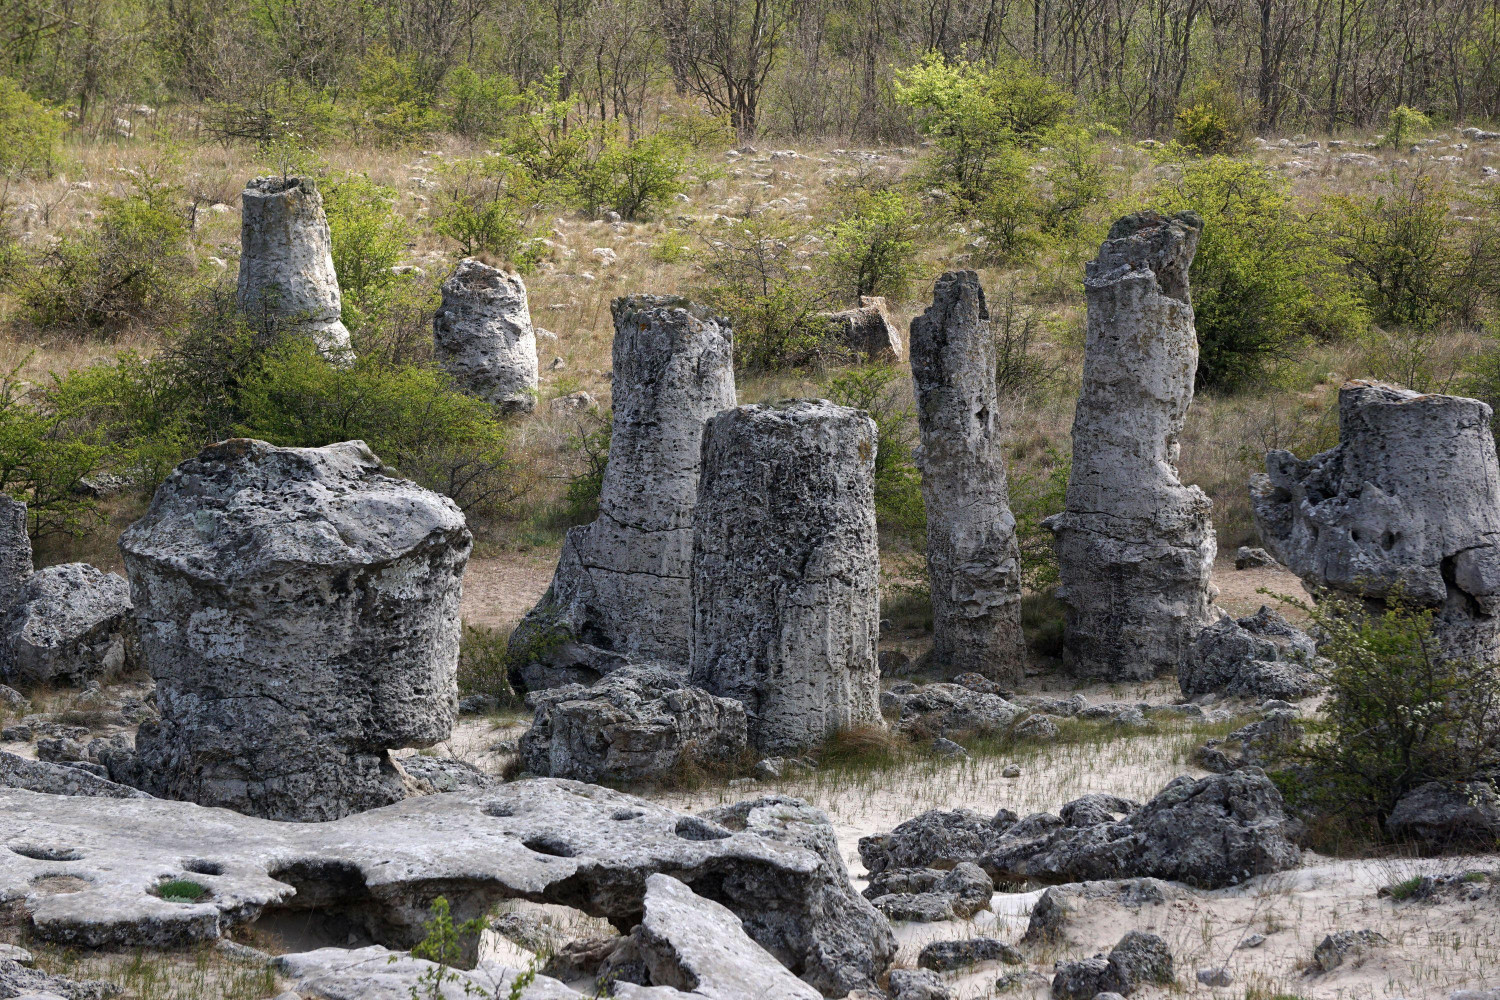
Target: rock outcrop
[
  {"x": 60, "y": 779},
  {"x": 1407, "y": 503},
  {"x": 867, "y": 330},
  {"x": 973, "y": 560},
  {"x": 70, "y": 625},
  {"x": 640, "y": 722},
  {"x": 1438, "y": 817},
  {"x": 298, "y": 608},
  {"x": 786, "y": 570},
  {"x": 482, "y": 335},
  {"x": 622, "y": 589},
  {"x": 545, "y": 840},
  {"x": 1140, "y": 959},
  {"x": 925, "y": 711},
  {"x": 286, "y": 262},
  {"x": 1259, "y": 656},
  {"x": 15, "y": 551},
  {"x": 929, "y": 894},
  {"x": 1135, "y": 546}
]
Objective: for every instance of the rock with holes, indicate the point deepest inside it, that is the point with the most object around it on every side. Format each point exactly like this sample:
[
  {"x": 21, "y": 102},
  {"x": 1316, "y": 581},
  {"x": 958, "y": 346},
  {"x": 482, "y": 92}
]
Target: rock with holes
[
  {"x": 298, "y": 608},
  {"x": 959, "y": 892},
  {"x": 622, "y": 590},
  {"x": 1407, "y": 503},
  {"x": 70, "y": 625},
  {"x": 973, "y": 560},
  {"x": 917, "y": 984},
  {"x": 1068, "y": 915},
  {"x": 83, "y": 870},
  {"x": 786, "y": 567},
  {"x": 15, "y": 551},
  {"x": 867, "y": 330},
  {"x": 286, "y": 262},
  {"x": 1135, "y": 546},
  {"x": 482, "y": 335},
  {"x": 1259, "y": 656},
  {"x": 946, "y": 956},
  {"x": 1140, "y": 959},
  {"x": 640, "y": 722}
]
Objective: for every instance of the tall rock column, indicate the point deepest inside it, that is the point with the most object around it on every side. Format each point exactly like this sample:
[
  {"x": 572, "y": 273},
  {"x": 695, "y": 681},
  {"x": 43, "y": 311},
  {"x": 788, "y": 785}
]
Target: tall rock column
[
  {"x": 483, "y": 336},
  {"x": 286, "y": 261},
  {"x": 1135, "y": 547},
  {"x": 298, "y": 609},
  {"x": 786, "y": 570},
  {"x": 622, "y": 589},
  {"x": 973, "y": 561},
  {"x": 15, "y": 551},
  {"x": 1407, "y": 503}
]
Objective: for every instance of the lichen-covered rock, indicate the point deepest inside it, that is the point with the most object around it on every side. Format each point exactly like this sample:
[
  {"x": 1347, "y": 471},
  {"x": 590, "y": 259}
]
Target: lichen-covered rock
[
  {"x": 1407, "y": 503},
  {"x": 1140, "y": 959},
  {"x": 482, "y": 335},
  {"x": 786, "y": 570},
  {"x": 1059, "y": 911},
  {"x": 867, "y": 330},
  {"x": 1337, "y": 948},
  {"x": 1249, "y": 557},
  {"x": 70, "y": 625},
  {"x": 15, "y": 551},
  {"x": 938, "y": 838},
  {"x": 622, "y": 589},
  {"x": 1135, "y": 546},
  {"x": 1259, "y": 656},
  {"x": 930, "y": 710},
  {"x": 694, "y": 944},
  {"x": 16, "y": 980},
  {"x": 544, "y": 840},
  {"x": 960, "y": 892},
  {"x": 1441, "y": 817},
  {"x": 60, "y": 779},
  {"x": 917, "y": 984},
  {"x": 640, "y": 722},
  {"x": 946, "y": 956},
  {"x": 286, "y": 262},
  {"x": 973, "y": 560},
  {"x": 298, "y": 608}
]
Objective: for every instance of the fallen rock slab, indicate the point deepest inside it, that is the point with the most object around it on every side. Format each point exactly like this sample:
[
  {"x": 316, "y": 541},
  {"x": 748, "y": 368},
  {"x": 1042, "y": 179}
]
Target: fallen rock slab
[
  {"x": 70, "y": 625},
  {"x": 60, "y": 779}
]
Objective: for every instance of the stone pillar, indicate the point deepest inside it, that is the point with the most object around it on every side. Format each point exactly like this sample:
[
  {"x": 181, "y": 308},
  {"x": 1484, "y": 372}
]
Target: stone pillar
[
  {"x": 286, "y": 261},
  {"x": 15, "y": 551},
  {"x": 483, "y": 337},
  {"x": 622, "y": 586},
  {"x": 298, "y": 608},
  {"x": 786, "y": 570},
  {"x": 1408, "y": 502},
  {"x": 1135, "y": 547},
  {"x": 973, "y": 561}
]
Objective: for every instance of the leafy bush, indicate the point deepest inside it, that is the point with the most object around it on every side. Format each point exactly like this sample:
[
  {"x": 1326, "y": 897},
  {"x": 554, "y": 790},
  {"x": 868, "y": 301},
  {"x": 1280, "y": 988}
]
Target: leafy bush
[
  {"x": 396, "y": 99},
  {"x": 29, "y": 131},
  {"x": 699, "y": 129},
  {"x": 486, "y": 206},
  {"x": 1021, "y": 372},
  {"x": 1262, "y": 283},
  {"x": 1405, "y": 125},
  {"x": 483, "y": 665},
  {"x": 47, "y": 444},
  {"x": 369, "y": 238},
  {"x": 874, "y": 244},
  {"x": 884, "y": 393},
  {"x": 1399, "y": 714},
  {"x": 1034, "y": 497},
  {"x": 636, "y": 178},
  {"x": 478, "y": 106},
  {"x": 590, "y": 443},
  {"x": 1213, "y": 123}
]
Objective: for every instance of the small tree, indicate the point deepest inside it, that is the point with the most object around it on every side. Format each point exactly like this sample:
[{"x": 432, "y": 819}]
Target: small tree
[
  {"x": 1405, "y": 125},
  {"x": 873, "y": 245}
]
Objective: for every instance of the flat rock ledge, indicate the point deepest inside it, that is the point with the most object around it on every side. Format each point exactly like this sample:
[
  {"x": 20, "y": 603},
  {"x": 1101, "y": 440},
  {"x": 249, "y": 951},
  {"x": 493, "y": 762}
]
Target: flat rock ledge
[{"x": 82, "y": 870}]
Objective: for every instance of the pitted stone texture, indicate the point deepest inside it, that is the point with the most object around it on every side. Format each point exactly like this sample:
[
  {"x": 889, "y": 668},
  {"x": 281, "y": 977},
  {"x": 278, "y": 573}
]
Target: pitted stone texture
[
  {"x": 1408, "y": 502},
  {"x": 973, "y": 560},
  {"x": 298, "y": 608},
  {"x": 70, "y": 625},
  {"x": 1135, "y": 546},
  {"x": 15, "y": 551},
  {"x": 699, "y": 946},
  {"x": 786, "y": 570},
  {"x": 483, "y": 337},
  {"x": 1259, "y": 656},
  {"x": 286, "y": 261},
  {"x": 544, "y": 840},
  {"x": 638, "y": 723},
  {"x": 867, "y": 330},
  {"x": 622, "y": 589}
]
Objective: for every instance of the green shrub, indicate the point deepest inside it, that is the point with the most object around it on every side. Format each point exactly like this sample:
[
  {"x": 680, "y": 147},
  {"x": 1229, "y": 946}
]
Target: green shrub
[
  {"x": 636, "y": 178},
  {"x": 47, "y": 444},
  {"x": 181, "y": 890},
  {"x": 486, "y": 206},
  {"x": 1011, "y": 212},
  {"x": 698, "y": 129},
  {"x": 369, "y": 238},
  {"x": 873, "y": 245},
  {"x": 483, "y": 665},
  {"x": 1034, "y": 497},
  {"x": 1405, "y": 125},
  {"x": 1075, "y": 180},
  {"x": 397, "y": 103},
  {"x": 29, "y": 131},
  {"x": 1212, "y": 123},
  {"x": 884, "y": 393},
  {"x": 1263, "y": 284},
  {"x": 478, "y": 106}
]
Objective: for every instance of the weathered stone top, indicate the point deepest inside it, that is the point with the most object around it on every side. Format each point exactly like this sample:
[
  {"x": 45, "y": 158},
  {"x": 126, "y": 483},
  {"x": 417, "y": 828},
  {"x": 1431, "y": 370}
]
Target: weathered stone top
[
  {"x": 271, "y": 187},
  {"x": 1148, "y": 243},
  {"x": 244, "y": 508}
]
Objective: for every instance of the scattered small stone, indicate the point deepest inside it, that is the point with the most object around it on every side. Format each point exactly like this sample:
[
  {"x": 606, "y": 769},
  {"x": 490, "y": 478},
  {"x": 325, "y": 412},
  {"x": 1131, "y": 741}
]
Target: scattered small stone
[
  {"x": 1011, "y": 771},
  {"x": 1252, "y": 558},
  {"x": 1337, "y": 947},
  {"x": 917, "y": 984},
  {"x": 1215, "y": 977},
  {"x": 1252, "y": 941}
]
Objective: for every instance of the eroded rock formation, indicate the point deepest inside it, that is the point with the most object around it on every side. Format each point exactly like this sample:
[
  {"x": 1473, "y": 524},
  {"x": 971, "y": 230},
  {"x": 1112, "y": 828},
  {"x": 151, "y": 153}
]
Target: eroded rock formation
[
  {"x": 867, "y": 330},
  {"x": 1134, "y": 545},
  {"x": 483, "y": 337},
  {"x": 1259, "y": 656},
  {"x": 973, "y": 561},
  {"x": 1407, "y": 503},
  {"x": 786, "y": 570},
  {"x": 70, "y": 625},
  {"x": 622, "y": 586},
  {"x": 298, "y": 608},
  {"x": 15, "y": 551},
  {"x": 286, "y": 262}
]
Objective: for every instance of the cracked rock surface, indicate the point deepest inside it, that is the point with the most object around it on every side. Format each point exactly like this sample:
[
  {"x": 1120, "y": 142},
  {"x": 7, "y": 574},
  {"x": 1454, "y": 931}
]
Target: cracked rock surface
[
  {"x": 1135, "y": 546},
  {"x": 483, "y": 337},
  {"x": 70, "y": 625},
  {"x": 298, "y": 608},
  {"x": 622, "y": 587}
]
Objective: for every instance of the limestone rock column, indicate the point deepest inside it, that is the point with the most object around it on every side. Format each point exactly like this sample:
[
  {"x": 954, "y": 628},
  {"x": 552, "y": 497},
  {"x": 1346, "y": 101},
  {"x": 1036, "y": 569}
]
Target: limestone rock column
[
  {"x": 483, "y": 335},
  {"x": 298, "y": 608},
  {"x": 622, "y": 586},
  {"x": 786, "y": 568},
  {"x": 1408, "y": 501},
  {"x": 1135, "y": 546},
  {"x": 286, "y": 261},
  {"x": 973, "y": 561},
  {"x": 16, "y": 566}
]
